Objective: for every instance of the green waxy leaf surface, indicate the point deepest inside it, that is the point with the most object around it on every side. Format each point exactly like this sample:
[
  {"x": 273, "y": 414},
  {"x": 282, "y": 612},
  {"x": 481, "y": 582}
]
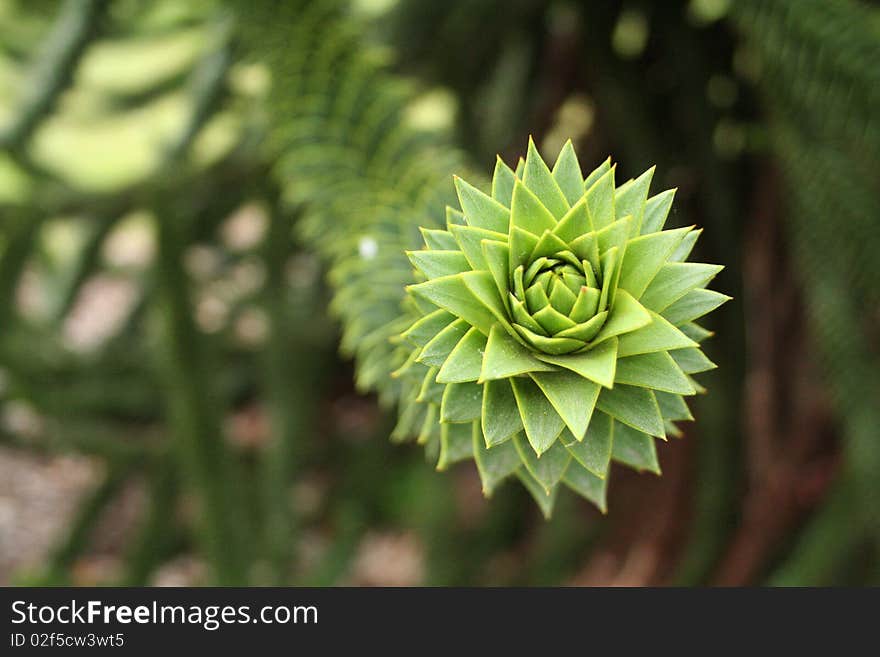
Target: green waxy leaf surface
[
  {"x": 659, "y": 335},
  {"x": 500, "y": 418},
  {"x": 656, "y": 210},
  {"x": 633, "y": 406},
  {"x": 528, "y": 213},
  {"x": 465, "y": 360},
  {"x": 567, "y": 173},
  {"x": 427, "y": 327},
  {"x": 635, "y": 449},
  {"x": 456, "y": 444},
  {"x": 539, "y": 180},
  {"x": 674, "y": 280},
  {"x": 480, "y": 210},
  {"x": 594, "y": 451},
  {"x": 442, "y": 344},
  {"x": 645, "y": 255},
  {"x": 435, "y": 264},
  {"x": 451, "y": 294},
  {"x": 461, "y": 402},
  {"x": 598, "y": 364},
  {"x": 600, "y": 199},
  {"x": 572, "y": 396},
  {"x": 656, "y": 371},
  {"x": 694, "y": 305},
  {"x": 542, "y": 423},
  {"x": 587, "y": 485},
  {"x": 549, "y": 468},
  {"x": 546, "y": 501},
  {"x": 692, "y": 361},
  {"x": 505, "y": 357},
  {"x": 502, "y": 182},
  {"x": 495, "y": 464}
]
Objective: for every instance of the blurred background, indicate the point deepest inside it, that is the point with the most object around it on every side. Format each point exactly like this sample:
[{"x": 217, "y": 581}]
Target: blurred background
[{"x": 192, "y": 196}]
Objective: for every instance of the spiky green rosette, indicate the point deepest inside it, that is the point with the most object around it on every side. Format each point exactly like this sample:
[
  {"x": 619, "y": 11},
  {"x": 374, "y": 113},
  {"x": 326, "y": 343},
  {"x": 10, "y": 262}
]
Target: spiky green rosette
[{"x": 556, "y": 328}]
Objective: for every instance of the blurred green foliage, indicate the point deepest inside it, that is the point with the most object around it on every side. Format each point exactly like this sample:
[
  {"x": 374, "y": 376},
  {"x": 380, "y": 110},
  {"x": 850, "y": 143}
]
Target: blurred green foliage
[{"x": 176, "y": 179}]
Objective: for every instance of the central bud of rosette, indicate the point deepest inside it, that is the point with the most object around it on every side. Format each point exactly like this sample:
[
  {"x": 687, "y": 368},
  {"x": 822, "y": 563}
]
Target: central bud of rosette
[{"x": 554, "y": 302}]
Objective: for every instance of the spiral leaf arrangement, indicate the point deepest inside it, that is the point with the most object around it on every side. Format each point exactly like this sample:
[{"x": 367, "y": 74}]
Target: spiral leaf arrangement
[{"x": 555, "y": 328}]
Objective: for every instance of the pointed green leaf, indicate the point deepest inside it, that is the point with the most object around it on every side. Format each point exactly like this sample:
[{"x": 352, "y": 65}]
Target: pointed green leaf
[
  {"x": 631, "y": 200},
  {"x": 454, "y": 217},
  {"x": 586, "y": 247},
  {"x": 542, "y": 423},
  {"x": 456, "y": 444},
  {"x": 586, "y": 306},
  {"x": 465, "y": 361},
  {"x": 609, "y": 264},
  {"x": 439, "y": 240},
  {"x": 567, "y": 173},
  {"x": 536, "y": 298},
  {"x": 614, "y": 234},
  {"x": 597, "y": 173},
  {"x": 562, "y": 299},
  {"x": 495, "y": 464},
  {"x": 521, "y": 243},
  {"x": 549, "y": 468},
  {"x": 659, "y": 335},
  {"x": 462, "y": 402},
  {"x": 692, "y": 361},
  {"x": 587, "y": 485},
  {"x": 635, "y": 449},
  {"x": 438, "y": 349},
  {"x": 482, "y": 286},
  {"x": 409, "y": 418},
  {"x": 634, "y": 406},
  {"x": 600, "y": 200},
  {"x": 546, "y": 501},
  {"x": 528, "y": 213},
  {"x": 431, "y": 392},
  {"x": 644, "y": 257},
  {"x": 696, "y": 332},
  {"x": 552, "y": 320},
  {"x": 674, "y": 280},
  {"x": 598, "y": 364},
  {"x": 505, "y": 357},
  {"x": 656, "y": 211},
  {"x": 572, "y": 396},
  {"x": 672, "y": 407},
  {"x": 470, "y": 241},
  {"x": 694, "y": 305},
  {"x": 431, "y": 426},
  {"x": 435, "y": 264},
  {"x": 657, "y": 371},
  {"x": 410, "y": 368},
  {"x": 585, "y": 331},
  {"x": 424, "y": 330},
  {"x": 537, "y": 177},
  {"x": 594, "y": 451},
  {"x": 480, "y": 210},
  {"x": 577, "y": 283},
  {"x": 500, "y": 417},
  {"x": 626, "y": 315},
  {"x": 497, "y": 256},
  {"x": 502, "y": 182},
  {"x": 547, "y": 245},
  {"x": 554, "y": 346},
  {"x": 451, "y": 293},
  {"x": 683, "y": 250},
  {"x": 522, "y": 317}
]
